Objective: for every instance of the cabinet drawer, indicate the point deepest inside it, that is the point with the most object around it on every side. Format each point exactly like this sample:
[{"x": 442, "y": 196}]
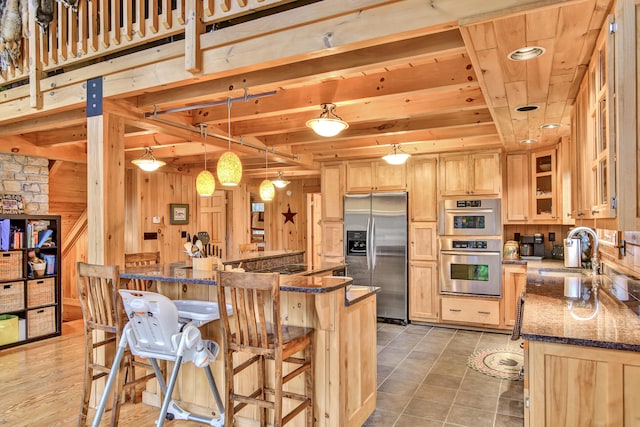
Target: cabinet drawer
[
  {"x": 41, "y": 292},
  {"x": 41, "y": 321},
  {"x": 468, "y": 310}
]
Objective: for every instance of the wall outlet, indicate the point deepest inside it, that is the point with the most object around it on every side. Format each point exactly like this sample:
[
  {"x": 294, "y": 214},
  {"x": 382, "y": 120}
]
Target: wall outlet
[{"x": 156, "y": 220}]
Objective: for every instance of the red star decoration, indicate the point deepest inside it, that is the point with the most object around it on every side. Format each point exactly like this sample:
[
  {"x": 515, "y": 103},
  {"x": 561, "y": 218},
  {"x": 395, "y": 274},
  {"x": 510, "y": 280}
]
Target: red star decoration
[{"x": 288, "y": 215}]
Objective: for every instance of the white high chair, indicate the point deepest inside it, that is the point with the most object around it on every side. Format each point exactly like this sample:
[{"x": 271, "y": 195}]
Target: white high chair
[{"x": 159, "y": 328}]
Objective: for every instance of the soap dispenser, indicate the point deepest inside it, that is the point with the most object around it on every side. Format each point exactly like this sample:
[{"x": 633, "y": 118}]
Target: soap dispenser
[{"x": 572, "y": 252}]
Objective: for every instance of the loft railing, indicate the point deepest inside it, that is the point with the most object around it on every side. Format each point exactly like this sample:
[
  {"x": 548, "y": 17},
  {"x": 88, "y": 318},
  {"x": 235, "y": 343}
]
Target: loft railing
[{"x": 97, "y": 29}]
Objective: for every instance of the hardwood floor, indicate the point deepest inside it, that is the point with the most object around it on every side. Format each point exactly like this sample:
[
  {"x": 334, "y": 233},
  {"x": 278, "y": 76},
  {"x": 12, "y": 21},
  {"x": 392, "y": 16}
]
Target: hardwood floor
[{"x": 42, "y": 385}]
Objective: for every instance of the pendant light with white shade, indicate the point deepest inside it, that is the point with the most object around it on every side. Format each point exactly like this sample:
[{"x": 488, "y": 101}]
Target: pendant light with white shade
[
  {"x": 205, "y": 182},
  {"x": 229, "y": 166},
  {"x": 267, "y": 190},
  {"x": 148, "y": 162},
  {"x": 397, "y": 156},
  {"x": 328, "y": 124},
  {"x": 280, "y": 182}
]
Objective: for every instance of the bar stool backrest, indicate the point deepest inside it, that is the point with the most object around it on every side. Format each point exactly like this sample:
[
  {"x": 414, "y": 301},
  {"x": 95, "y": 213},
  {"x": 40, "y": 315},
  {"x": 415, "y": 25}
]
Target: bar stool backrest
[
  {"x": 140, "y": 259},
  {"x": 250, "y": 328},
  {"x": 98, "y": 293}
]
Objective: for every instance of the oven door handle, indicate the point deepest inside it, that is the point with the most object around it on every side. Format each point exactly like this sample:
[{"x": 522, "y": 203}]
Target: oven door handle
[
  {"x": 470, "y": 253},
  {"x": 469, "y": 211}
]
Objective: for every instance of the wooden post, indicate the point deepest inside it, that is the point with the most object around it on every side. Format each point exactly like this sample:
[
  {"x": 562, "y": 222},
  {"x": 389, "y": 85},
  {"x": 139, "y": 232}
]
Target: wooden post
[
  {"x": 193, "y": 29},
  {"x": 35, "y": 64},
  {"x": 105, "y": 180}
]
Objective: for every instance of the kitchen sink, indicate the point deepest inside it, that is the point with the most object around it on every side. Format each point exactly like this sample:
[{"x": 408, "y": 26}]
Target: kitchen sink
[{"x": 560, "y": 272}]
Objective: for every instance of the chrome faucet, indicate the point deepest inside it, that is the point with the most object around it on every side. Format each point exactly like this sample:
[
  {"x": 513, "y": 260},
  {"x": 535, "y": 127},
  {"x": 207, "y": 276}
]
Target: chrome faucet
[{"x": 595, "y": 261}]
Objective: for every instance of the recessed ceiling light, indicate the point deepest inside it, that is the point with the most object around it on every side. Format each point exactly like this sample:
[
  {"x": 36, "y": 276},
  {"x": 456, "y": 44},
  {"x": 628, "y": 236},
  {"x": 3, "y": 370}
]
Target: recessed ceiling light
[
  {"x": 525, "y": 108},
  {"x": 528, "y": 141},
  {"x": 525, "y": 53},
  {"x": 550, "y": 126}
]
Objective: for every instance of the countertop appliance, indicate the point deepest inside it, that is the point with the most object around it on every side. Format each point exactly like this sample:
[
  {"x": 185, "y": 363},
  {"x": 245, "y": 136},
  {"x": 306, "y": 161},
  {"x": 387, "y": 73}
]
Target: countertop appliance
[
  {"x": 376, "y": 249},
  {"x": 471, "y": 265}
]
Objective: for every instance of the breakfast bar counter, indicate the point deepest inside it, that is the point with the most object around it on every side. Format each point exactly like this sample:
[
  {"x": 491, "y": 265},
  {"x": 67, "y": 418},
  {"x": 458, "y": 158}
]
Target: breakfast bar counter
[{"x": 344, "y": 319}]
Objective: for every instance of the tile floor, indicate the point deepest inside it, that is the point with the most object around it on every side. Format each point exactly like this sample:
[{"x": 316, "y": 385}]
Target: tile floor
[{"x": 423, "y": 380}]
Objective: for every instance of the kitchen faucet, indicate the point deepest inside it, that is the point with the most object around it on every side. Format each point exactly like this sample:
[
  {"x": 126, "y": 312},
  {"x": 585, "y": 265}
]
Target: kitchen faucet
[{"x": 595, "y": 263}]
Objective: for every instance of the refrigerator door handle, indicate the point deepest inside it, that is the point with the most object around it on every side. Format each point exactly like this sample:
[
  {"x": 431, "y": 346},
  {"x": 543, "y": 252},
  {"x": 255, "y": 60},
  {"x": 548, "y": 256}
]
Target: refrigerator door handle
[
  {"x": 368, "y": 236},
  {"x": 373, "y": 244}
]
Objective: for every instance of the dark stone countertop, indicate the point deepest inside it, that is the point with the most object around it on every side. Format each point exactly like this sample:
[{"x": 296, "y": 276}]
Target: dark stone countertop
[
  {"x": 571, "y": 310},
  {"x": 180, "y": 273}
]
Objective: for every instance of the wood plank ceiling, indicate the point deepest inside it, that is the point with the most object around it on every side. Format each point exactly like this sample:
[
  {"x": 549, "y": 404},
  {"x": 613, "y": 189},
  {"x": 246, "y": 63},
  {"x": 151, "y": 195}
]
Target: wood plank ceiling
[{"x": 450, "y": 90}]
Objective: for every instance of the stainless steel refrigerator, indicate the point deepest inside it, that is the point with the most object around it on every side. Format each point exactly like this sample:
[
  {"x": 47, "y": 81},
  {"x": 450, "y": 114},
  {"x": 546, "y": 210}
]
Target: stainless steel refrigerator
[{"x": 376, "y": 249}]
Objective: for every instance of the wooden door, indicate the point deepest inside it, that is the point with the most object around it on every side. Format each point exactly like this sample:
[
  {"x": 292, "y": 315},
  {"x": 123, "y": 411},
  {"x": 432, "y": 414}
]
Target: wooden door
[
  {"x": 423, "y": 241},
  {"x": 332, "y": 187},
  {"x": 388, "y": 177},
  {"x": 514, "y": 280},
  {"x": 485, "y": 174},
  {"x": 213, "y": 218},
  {"x": 423, "y": 291},
  {"x": 423, "y": 189},
  {"x": 454, "y": 176},
  {"x": 517, "y": 188},
  {"x": 359, "y": 177}
]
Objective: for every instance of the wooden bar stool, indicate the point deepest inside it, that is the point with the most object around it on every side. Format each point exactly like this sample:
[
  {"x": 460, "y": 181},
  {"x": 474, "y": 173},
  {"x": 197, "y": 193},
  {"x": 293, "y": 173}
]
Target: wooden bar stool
[
  {"x": 140, "y": 259},
  {"x": 253, "y": 330},
  {"x": 98, "y": 293}
]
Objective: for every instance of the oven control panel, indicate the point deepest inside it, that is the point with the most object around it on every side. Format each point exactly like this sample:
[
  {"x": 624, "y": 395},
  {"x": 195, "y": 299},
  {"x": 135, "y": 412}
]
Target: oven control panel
[{"x": 469, "y": 244}]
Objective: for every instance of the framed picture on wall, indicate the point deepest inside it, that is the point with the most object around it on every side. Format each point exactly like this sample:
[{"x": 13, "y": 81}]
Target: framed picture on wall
[{"x": 178, "y": 213}]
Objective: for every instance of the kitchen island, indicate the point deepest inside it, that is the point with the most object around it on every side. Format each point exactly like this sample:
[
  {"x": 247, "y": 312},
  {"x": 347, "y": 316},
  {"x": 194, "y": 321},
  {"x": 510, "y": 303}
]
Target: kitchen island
[
  {"x": 344, "y": 319},
  {"x": 582, "y": 350}
]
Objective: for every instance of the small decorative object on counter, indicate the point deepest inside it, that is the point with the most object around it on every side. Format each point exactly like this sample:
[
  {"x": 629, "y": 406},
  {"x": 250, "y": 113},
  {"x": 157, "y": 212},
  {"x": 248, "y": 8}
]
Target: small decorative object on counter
[{"x": 511, "y": 250}]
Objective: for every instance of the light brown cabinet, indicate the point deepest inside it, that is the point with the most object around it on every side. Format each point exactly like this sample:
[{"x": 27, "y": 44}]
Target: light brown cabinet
[
  {"x": 423, "y": 188},
  {"x": 544, "y": 191},
  {"x": 471, "y": 310},
  {"x": 423, "y": 291},
  {"x": 368, "y": 176},
  {"x": 332, "y": 185},
  {"x": 514, "y": 282},
  {"x": 332, "y": 241},
  {"x": 517, "y": 188},
  {"x": 423, "y": 241},
  {"x": 575, "y": 385},
  {"x": 474, "y": 174}
]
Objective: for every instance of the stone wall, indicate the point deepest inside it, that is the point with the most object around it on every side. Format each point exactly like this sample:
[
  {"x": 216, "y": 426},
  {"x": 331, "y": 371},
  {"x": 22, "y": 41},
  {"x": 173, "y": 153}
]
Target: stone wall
[{"x": 28, "y": 176}]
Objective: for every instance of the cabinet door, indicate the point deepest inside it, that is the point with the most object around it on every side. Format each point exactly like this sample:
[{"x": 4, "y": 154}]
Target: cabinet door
[
  {"x": 485, "y": 174},
  {"x": 517, "y": 188},
  {"x": 332, "y": 191},
  {"x": 423, "y": 188},
  {"x": 388, "y": 177},
  {"x": 423, "y": 238},
  {"x": 359, "y": 177},
  {"x": 332, "y": 240},
  {"x": 423, "y": 291},
  {"x": 454, "y": 175},
  {"x": 514, "y": 281},
  {"x": 544, "y": 196}
]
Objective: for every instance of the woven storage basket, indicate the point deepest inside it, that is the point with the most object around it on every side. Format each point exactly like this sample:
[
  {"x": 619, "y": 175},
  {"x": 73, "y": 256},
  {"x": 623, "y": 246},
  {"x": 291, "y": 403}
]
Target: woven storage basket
[
  {"x": 11, "y": 296},
  {"x": 10, "y": 265},
  {"x": 41, "y": 321},
  {"x": 40, "y": 292}
]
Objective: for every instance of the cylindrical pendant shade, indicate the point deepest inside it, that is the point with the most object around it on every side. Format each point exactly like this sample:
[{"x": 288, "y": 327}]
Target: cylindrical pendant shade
[
  {"x": 229, "y": 169},
  {"x": 267, "y": 190},
  {"x": 205, "y": 183}
]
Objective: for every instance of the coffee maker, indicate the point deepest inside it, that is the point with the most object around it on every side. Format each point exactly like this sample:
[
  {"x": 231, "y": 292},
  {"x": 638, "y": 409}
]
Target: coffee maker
[{"x": 532, "y": 245}]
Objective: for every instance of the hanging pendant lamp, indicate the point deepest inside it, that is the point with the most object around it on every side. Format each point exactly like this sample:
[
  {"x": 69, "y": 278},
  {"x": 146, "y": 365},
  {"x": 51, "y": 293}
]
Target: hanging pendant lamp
[
  {"x": 280, "y": 182},
  {"x": 397, "y": 156},
  {"x": 328, "y": 124},
  {"x": 229, "y": 165},
  {"x": 205, "y": 182},
  {"x": 148, "y": 162},
  {"x": 267, "y": 190}
]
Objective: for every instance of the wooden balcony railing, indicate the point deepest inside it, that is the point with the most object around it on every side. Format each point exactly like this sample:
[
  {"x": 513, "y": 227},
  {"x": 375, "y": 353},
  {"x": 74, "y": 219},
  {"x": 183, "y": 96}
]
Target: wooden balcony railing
[{"x": 98, "y": 29}]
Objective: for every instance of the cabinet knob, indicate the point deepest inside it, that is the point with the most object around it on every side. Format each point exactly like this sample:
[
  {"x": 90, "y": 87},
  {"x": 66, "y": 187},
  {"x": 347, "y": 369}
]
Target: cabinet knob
[{"x": 593, "y": 211}]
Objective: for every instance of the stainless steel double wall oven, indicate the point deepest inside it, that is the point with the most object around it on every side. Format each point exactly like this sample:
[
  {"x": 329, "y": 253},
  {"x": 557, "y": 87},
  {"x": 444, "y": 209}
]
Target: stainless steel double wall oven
[{"x": 471, "y": 247}]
